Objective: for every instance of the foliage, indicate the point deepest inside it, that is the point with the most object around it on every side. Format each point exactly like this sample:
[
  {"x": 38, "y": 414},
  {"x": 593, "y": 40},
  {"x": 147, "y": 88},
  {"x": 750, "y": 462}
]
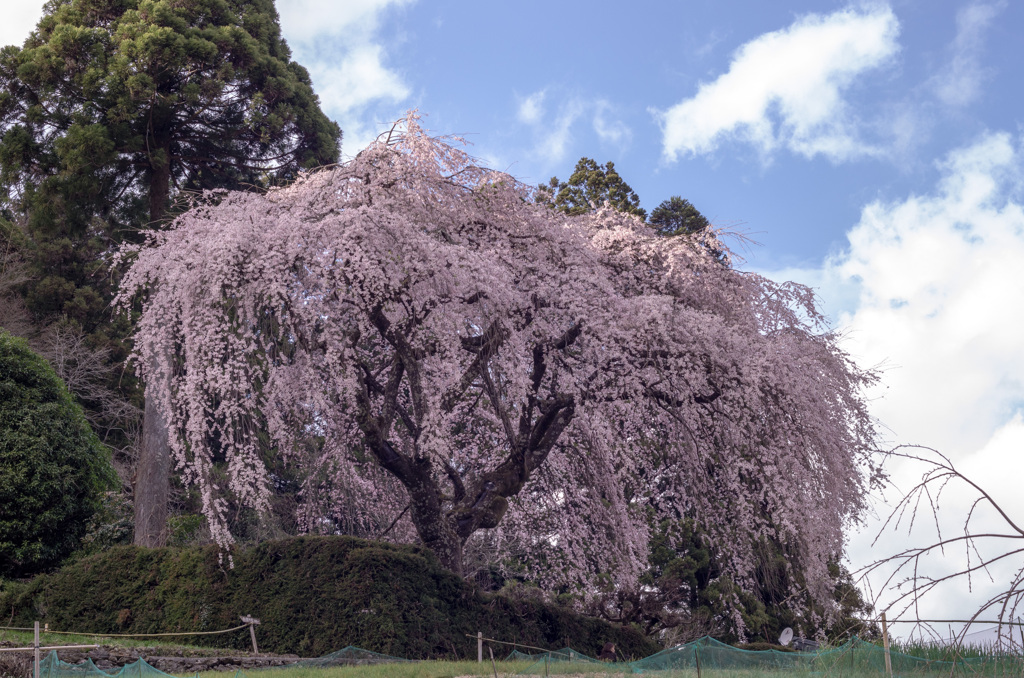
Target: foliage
[
  {"x": 52, "y": 465},
  {"x": 13, "y": 275},
  {"x": 589, "y": 187},
  {"x": 473, "y": 361},
  {"x": 684, "y": 594},
  {"x": 313, "y": 595},
  {"x": 110, "y": 526},
  {"x": 185, "y": 529},
  {"x": 111, "y": 103},
  {"x": 111, "y": 112},
  {"x": 676, "y": 216},
  {"x": 762, "y": 646},
  {"x": 113, "y": 106},
  {"x": 592, "y": 186}
]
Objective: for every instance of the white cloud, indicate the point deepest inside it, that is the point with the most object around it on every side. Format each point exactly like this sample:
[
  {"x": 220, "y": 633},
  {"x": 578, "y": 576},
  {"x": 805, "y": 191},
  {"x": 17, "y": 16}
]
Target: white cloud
[
  {"x": 610, "y": 130},
  {"x": 784, "y": 89},
  {"x": 553, "y": 132},
  {"x": 357, "y": 81},
  {"x": 307, "y": 20},
  {"x": 938, "y": 277},
  {"x": 20, "y": 18},
  {"x": 557, "y": 135},
  {"x": 531, "y": 109},
  {"x": 338, "y": 43},
  {"x": 930, "y": 286},
  {"x": 959, "y": 83},
  {"x": 995, "y": 468}
]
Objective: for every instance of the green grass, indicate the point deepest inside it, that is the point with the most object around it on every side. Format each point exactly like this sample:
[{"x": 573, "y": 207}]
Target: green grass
[
  {"x": 445, "y": 669},
  {"x": 918, "y": 649},
  {"x": 985, "y": 664},
  {"x": 421, "y": 669}
]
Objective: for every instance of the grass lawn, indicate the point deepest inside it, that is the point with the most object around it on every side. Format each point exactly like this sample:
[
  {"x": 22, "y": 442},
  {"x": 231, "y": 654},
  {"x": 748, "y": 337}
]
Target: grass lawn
[
  {"x": 983, "y": 662},
  {"x": 422, "y": 669}
]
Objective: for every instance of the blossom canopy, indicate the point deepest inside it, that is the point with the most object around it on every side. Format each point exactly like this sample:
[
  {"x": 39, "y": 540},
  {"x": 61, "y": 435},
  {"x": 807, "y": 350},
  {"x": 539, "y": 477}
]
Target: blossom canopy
[{"x": 416, "y": 332}]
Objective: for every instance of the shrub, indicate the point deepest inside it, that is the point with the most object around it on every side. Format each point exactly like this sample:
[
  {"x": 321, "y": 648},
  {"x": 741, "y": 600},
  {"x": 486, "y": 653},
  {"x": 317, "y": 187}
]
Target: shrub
[
  {"x": 313, "y": 595},
  {"x": 53, "y": 469}
]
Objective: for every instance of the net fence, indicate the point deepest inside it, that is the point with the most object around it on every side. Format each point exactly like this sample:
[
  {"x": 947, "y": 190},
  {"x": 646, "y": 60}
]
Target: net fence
[
  {"x": 854, "y": 658},
  {"x": 349, "y": 656},
  {"x": 52, "y": 667}
]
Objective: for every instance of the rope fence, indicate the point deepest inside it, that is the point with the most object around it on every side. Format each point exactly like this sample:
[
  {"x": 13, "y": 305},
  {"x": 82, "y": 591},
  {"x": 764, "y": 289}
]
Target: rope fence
[
  {"x": 248, "y": 623},
  {"x": 128, "y": 635},
  {"x": 481, "y": 638},
  {"x": 945, "y": 621}
]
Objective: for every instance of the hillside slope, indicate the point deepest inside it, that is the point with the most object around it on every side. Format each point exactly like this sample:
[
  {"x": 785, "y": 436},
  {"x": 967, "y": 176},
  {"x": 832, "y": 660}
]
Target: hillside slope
[{"x": 313, "y": 595}]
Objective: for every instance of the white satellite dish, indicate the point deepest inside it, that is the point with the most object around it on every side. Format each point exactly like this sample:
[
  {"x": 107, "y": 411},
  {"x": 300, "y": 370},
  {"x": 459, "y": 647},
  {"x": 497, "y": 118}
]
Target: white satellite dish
[{"x": 785, "y": 636}]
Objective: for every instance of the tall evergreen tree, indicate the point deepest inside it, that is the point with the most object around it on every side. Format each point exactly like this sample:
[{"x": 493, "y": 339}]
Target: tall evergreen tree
[
  {"x": 113, "y": 108},
  {"x": 677, "y": 216},
  {"x": 589, "y": 187}
]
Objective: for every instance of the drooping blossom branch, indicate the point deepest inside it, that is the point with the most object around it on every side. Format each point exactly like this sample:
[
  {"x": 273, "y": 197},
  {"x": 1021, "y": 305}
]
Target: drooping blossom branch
[
  {"x": 985, "y": 542},
  {"x": 556, "y": 380}
]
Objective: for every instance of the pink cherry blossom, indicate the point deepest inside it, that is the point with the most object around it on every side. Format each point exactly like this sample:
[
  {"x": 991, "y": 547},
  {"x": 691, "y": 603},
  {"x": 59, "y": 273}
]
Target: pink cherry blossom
[{"x": 414, "y": 331}]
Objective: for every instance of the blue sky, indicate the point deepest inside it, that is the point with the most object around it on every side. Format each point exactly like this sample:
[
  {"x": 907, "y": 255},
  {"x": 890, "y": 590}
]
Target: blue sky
[
  {"x": 534, "y": 86},
  {"x": 874, "y": 149}
]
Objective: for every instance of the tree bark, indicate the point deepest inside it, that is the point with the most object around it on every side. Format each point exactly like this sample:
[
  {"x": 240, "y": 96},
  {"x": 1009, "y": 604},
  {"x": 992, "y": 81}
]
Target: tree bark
[
  {"x": 482, "y": 505},
  {"x": 152, "y": 476},
  {"x": 153, "y": 473}
]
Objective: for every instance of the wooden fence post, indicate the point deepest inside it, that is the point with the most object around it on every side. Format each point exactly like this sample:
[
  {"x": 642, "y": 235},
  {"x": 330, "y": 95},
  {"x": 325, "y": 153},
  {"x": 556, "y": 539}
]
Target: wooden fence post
[
  {"x": 35, "y": 648},
  {"x": 252, "y": 622},
  {"x": 885, "y": 645},
  {"x": 480, "y": 647}
]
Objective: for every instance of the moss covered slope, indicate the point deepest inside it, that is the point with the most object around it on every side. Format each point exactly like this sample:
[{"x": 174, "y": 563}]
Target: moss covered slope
[{"x": 313, "y": 595}]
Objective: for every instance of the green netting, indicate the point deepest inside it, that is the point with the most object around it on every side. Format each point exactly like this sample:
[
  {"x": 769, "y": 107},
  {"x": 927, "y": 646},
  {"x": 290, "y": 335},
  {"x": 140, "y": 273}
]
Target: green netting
[
  {"x": 52, "y": 667},
  {"x": 706, "y": 654},
  {"x": 855, "y": 658},
  {"x": 566, "y": 654},
  {"x": 349, "y": 656}
]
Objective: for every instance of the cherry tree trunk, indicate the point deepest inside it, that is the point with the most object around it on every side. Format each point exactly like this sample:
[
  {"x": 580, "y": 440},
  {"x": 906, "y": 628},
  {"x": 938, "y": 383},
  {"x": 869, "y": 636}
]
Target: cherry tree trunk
[{"x": 152, "y": 477}]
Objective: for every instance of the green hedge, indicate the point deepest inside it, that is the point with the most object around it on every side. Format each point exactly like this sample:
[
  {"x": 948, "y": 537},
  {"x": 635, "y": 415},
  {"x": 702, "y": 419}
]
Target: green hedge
[
  {"x": 53, "y": 469},
  {"x": 313, "y": 595}
]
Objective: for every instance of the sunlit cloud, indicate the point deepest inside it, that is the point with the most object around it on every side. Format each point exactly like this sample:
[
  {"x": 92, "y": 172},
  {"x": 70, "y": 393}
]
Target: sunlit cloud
[
  {"x": 960, "y": 82},
  {"x": 339, "y": 44},
  {"x": 929, "y": 288},
  {"x": 785, "y": 89},
  {"x": 556, "y": 124},
  {"x": 531, "y": 108},
  {"x": 609, "y": 129}
]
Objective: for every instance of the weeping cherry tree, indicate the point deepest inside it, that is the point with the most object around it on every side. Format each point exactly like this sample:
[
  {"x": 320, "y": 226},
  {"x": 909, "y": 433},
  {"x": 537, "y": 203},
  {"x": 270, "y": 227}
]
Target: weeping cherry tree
[{"x": 475, "y": 363}]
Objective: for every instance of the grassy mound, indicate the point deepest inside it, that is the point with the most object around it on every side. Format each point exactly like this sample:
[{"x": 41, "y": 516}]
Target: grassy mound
[{"x": 313, "y": 595}]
